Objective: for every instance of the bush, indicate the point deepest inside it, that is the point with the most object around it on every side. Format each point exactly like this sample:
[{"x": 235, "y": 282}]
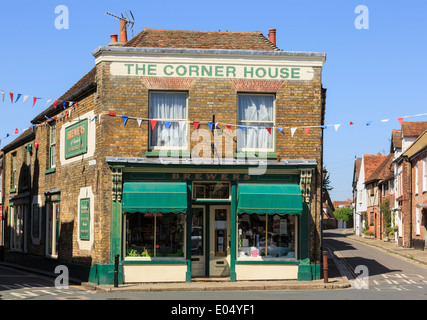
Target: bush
[{"x": 345, "y": 214}]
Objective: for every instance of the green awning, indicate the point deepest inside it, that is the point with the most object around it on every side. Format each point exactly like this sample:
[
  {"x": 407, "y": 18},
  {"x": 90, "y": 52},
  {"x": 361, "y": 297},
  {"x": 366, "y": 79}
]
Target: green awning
[
  {"x": 154, "y": 197},
  {"x": 269, "y": 198}
]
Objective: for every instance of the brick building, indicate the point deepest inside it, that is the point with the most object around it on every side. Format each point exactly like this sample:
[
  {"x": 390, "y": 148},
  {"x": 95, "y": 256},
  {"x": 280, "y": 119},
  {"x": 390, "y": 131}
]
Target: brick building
[{"x": 187, "y": 154}]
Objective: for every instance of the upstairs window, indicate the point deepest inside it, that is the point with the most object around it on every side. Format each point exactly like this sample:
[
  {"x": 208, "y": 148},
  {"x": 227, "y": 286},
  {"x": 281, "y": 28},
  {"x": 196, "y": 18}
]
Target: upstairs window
[
  {"x": 52, "y": 146},
  {"x": 255, "y": 113},
  {"x": 13, "y": 173},
  {"x": 169, "y": 110}
]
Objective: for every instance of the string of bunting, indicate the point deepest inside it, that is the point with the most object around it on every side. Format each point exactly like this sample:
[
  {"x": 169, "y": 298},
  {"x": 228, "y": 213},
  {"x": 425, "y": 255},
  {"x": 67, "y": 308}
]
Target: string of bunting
[{"x": 67, "y": 104}]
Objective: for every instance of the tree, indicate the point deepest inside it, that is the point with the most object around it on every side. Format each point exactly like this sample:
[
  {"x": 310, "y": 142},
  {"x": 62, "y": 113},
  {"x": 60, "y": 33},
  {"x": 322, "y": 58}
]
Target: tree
[{"x": 345, "y": 214}]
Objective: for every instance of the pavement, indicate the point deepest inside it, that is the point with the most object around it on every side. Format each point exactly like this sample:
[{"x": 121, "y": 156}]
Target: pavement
[{"x": 338, "y": 275}]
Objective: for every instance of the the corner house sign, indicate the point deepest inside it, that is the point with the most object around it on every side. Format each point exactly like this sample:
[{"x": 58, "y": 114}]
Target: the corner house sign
[
  {"x": 224, "y": 71},
  {"x": 76, "y": 139}
]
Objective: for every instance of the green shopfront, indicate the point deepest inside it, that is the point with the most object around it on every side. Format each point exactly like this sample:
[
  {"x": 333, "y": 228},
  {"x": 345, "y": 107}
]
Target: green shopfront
[{"x": 180, "y": 222}]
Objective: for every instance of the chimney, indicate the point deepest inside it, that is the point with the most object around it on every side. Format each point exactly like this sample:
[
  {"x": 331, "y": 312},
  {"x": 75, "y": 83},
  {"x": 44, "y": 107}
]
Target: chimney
[
  {"x": 123, "y": 32},
  {"x": 114, "y": 41},
  {"x": 272, "y": 36}
]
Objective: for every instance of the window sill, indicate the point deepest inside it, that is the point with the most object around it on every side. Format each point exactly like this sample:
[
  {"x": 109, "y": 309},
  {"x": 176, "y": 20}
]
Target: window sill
[
  {"x": 12, "y": 190},
  {"x": 169, "y": 153},
  {"x": 255, "y": 154},
  {"x": 292, "y": 261},
  {"x": 49, "y": 171}
]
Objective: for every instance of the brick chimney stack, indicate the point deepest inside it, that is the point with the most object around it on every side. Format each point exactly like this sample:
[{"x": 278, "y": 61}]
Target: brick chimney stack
[{"x": 272, "y": 36}]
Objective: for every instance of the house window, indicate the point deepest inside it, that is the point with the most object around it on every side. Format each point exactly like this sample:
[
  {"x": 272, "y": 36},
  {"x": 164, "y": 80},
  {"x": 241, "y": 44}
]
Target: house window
[
  {"x": 169, "y": 109},
  {"x": 155, "y": 235},
  {"x": 35, "y": 221},
  {"x": 266, "y": 236},
  {"x": 417, "y": 221},
  {"x": 52, "y": 146},
  {"x": 255, "y": 113},
  {"x": 13, "y": 173},
  {"x": 416, "y": 178},
  {"x": 52, "y": 228},
  {"x": 424, "y": 175}
]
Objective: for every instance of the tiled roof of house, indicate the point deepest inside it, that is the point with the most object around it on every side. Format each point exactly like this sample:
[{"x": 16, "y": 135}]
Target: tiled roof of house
[
  {"x": 371, "y": 163},
  {"x": 159, "y": 38},
  {"x": 396, "y": 139},
  {"x": 413, "y": 128},
  {"x": 382, "y": 172}
]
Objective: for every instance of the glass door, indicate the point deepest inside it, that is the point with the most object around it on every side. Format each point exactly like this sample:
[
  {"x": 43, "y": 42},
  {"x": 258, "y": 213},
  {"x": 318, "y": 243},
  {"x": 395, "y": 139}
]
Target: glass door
[
  {"x": 219, "y": 240},
  {"x": 198, "y": 266}
]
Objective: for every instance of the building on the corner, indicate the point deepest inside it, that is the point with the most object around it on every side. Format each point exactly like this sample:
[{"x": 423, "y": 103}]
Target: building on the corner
[{"x": 184, "y": 153}]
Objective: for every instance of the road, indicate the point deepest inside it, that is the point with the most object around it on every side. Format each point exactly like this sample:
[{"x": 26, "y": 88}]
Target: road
[{"x": 375, "y": 275}]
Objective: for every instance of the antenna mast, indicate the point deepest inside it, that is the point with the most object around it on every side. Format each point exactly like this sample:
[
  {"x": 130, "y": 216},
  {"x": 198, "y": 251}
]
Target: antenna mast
[{"x": 129, "y": 22}]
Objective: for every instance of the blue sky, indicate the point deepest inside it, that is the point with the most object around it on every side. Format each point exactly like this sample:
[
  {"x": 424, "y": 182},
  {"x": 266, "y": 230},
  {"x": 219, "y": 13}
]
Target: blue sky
[{"x": 370, "y": 74}]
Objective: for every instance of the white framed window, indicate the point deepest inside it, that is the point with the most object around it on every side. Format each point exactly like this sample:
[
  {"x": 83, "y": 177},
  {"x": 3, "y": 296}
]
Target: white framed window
[
  {"x": 255, "y": 113},
  {"x": 418, "y": 221},
  {"x": 170, "y": 111},
  {"x": 13, "y": 173},
  {"x": 416, "y": 178}
]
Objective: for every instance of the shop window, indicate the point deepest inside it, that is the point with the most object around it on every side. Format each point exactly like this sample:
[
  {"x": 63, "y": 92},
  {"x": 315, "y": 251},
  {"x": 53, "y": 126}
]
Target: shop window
[
  {"x": 266, "y": 236},
  {"x": 211, "y": 190},
  {"x": 18, "y": 214},
  {"x": 52, "y": 228},
  {"x": 255, "y": 113},
  {"x": 155, "y": 235},
  {"x": 35, "y": 221},
  {"x": 169, "y": 109}
]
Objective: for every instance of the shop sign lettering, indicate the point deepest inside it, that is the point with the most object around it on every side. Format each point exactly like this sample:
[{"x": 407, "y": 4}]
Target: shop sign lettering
[
  {"x": 210, "y": 176},
  {"x": 212, "y": 71}
]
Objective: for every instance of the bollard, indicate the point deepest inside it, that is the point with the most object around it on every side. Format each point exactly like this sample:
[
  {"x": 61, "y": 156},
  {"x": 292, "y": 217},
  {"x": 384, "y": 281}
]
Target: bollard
[
  {"x": 116, "y": 271},
  {"x": 325, "y": 266}
]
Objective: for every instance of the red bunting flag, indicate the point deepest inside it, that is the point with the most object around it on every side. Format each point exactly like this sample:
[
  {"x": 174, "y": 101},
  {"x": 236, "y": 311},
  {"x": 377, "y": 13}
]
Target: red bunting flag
[
  {"x": 196, "y": 124},
  {"x": 351, "y": 123},
  {"x": 153, "y": 124},
  {"x": 112, "y": 113},
  {"x": 229, "y": 127},
  {"x": 11, "y": 97},
  {"x": 34, "y": 101},
  {"x": 55, "y": 103},
  {"x": 268, "y": 129},
  {"x": 16, "y": 131},
  {"x": 400, "y": 120},
  {"x": 307, "y": 129}
]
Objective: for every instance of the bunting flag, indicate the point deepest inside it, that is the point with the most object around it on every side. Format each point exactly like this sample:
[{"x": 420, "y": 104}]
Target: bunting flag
[
  {"x": 293, "y": 131},
  {"x": 2, "y": 96},
  {"x": 306, "y": 130},
  {"x": 16, "y": 131},
  {"x": 210, "y": 124},
  {"x": 336, "y": 127},
  {"x": 112, "y": 113},
  {"x": 11, "y": 97},
  {"x": 400, "y": 120},
  {"x": 368, "y": 123},
  {"x": 228, "y": 127},
  {"x": 153, "y": 124},
  {"x": 351, "y": 123},
  {"x": 34, "y": 101},
  {"x": 196, "y": 124},
  {"x": 55, "y": 104},
  {"x": 168, "y": 124},
  {"x": 281, "y": 130},
  {"x": 242, "y": 128},
  {"x": 25, "y": 98},
  {"x": 268, "y": 129},
  {"x": 17, "y": 98},
  {"x": 139, "y": 120},
  {"x": 125, "y": 119}
]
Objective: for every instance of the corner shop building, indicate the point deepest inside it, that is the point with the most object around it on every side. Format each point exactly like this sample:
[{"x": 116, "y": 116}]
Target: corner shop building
[{"x": 146, "y": 185}]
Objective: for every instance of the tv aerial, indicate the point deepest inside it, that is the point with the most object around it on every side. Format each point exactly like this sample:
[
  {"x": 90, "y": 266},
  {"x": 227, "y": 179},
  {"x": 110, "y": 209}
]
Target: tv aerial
[{"x": 128, "y": 18}]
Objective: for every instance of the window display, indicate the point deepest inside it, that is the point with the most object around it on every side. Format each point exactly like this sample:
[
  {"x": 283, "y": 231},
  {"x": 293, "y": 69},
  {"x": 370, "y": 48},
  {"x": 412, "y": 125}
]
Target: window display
[
  {"x": 155, "y": 235},
  {"x": 266, "y": 236}
]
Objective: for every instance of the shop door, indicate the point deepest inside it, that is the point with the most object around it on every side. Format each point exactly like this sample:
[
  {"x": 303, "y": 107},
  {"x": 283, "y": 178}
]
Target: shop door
[
  {"x": 198, "y": 241},
  {"x": 219, "y": 240}
]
